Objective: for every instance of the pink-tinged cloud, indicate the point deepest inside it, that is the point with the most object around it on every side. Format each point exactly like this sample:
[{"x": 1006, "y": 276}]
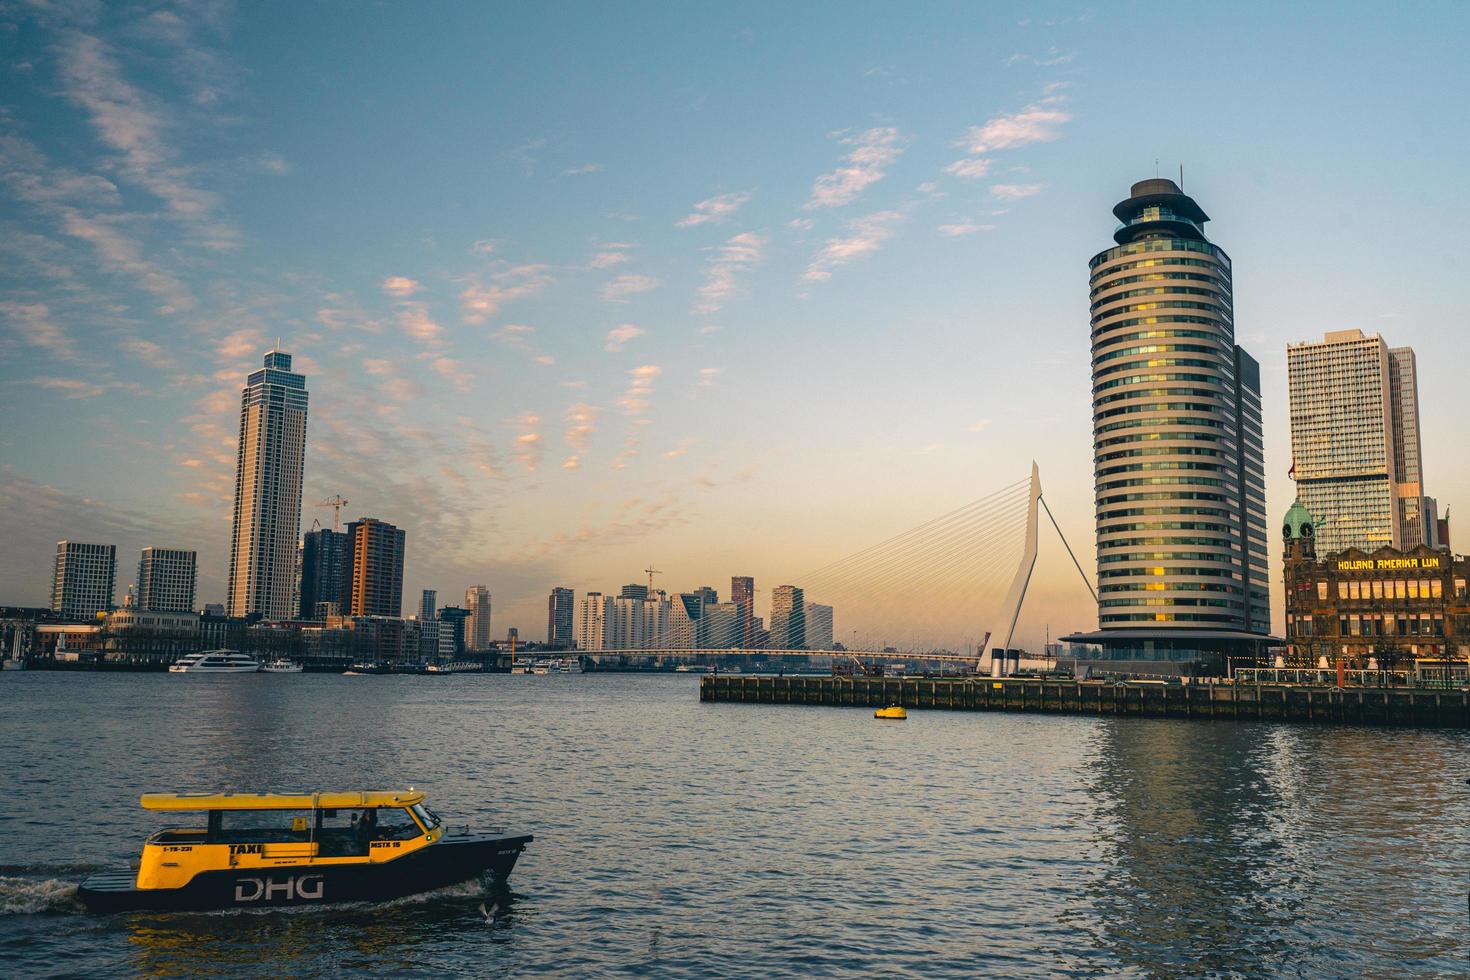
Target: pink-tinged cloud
[
  {"x": 716, "y": 209},
  {"x": 399, "y": 286},
  {"x": 480, "y": 301},
  {"x": 640, "y": 388},
  {"x": 619, "y": 336},
  {"x": 1013, "y": 192},
  {"x": 32, "y": 322},
  {"x": 725, "y": 263},
  {"x": 873, "y": 152},
  {"x": 865, "y": 236},
  {"x": 1034, "y": 124},
  {"x": 619, "y": 289},
  {"x": 581, "y": 424},
  {"x": 971, "y": 168},
  {"x": 417, "y": 323}
]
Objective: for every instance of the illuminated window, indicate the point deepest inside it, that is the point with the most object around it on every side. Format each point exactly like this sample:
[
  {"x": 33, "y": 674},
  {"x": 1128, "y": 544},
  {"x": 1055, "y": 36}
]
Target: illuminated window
[
  {"x": 1378, "y": 588},
  {"x": 1342, "y": 590},
  {"x": 1322, "y": 591},
  {"x": 1399, "y": 589},
  {"x": 1436, "y": 588}
]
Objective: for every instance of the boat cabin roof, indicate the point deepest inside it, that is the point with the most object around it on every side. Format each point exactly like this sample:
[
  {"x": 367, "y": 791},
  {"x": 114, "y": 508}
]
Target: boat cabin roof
[{"x": 279, "y": 801}]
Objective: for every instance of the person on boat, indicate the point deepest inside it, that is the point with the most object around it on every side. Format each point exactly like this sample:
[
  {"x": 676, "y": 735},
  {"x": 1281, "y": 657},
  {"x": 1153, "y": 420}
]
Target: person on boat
[{"x": 365, "y": 828}]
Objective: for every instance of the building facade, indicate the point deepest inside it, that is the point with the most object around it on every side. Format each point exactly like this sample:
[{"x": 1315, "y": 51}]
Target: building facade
[
  {"x": 83, "y": 579},
  {"x": 452, "y": 621},
  {"x": 818, "y": 626},
  {"x": 742, "y": 593},
  {"x": 428, "y": 605},
  {"x": 270, "y": 462},
  {"x": 477, "y": 628},
  {"x": 633, "y": 591},
  {"x": 721, "y": 622},
  {"x": 1355, "y": 443},
  {"x": 1382, "y": 610},
  {"x": 323, "y": 554},
  {"x": 372, "y": 569},
  {"x": 591, "y": 627},
  {"x": 166, "y": 578},
  {"x": 623, "y": 629},
  {"x": 788, "y": 618},
  {"x": 1179, "y": 472},
  {"x": 561, "y": 614}
]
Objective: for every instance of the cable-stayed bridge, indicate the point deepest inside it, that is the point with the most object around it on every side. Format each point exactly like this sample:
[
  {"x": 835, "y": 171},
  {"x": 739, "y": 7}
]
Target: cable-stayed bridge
[{"x": 932, "y": 592}]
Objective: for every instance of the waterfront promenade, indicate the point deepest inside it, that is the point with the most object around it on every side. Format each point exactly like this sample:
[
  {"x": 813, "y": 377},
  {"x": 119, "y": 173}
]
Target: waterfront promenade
[{"x": 1404, "y": 707}]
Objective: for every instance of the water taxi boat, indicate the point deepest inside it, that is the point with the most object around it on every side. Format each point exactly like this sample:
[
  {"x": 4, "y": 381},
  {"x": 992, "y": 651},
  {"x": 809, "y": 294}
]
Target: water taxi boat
[
  {"x": 281, "y": 666},
  {"x": 215, "y": 662},
  {"x": 299, "y": 849},
  {"x": 892, "y": 712}
]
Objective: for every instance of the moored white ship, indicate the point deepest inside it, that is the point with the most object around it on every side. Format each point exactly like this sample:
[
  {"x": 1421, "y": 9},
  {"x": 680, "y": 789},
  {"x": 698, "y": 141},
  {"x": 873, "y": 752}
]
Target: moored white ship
[{"x": 215, "y": 662}]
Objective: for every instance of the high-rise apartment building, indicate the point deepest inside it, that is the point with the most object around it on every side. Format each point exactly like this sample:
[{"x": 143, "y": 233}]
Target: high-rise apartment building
[
  {"x": 818, "y": 626},
  {"x": 1355, "y": 445},
  {"x": 634, "y": 591},
  {"x": 83, "y": 579},
  {"x": 591, "y": 627},
  {"x": 560, "y": 618},
  {"x": 477, "y": 627},
  {"x": 323, "y": 553},
  {"x": 624, "y": 623},
  {"x": 268, "y": 473},
  {"x": 721, "y": 626},
  {"x": 1178, "y": 463},
  {"x": 166, "y": 580},
  {"x": 452, "y": 629},
  {"x": 429, "y": 605},
  {"x": 742, "y": 593},
  {"x": 372, "y": 569},
  {"x": 708, "y": 594},
  {"x": 788, "y": 618},
  {"x": 656, "y": 609},
  {"x": 686, "y": 622}
]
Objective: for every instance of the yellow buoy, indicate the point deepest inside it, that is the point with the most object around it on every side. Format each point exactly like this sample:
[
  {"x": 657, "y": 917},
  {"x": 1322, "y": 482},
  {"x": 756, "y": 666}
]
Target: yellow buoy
[{"x": 893, "y": 711}]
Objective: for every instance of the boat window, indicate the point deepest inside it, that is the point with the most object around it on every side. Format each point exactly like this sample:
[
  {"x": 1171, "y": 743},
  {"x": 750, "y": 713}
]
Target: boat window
[
  {"x": 265, "y": 826},
  {"x": 426, "y": 816},
  {"x": 395, "y": 824}
]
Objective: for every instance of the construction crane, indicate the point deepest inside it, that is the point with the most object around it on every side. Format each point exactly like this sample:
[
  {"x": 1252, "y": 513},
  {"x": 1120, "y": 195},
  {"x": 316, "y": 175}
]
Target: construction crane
[
  {"x": 651, "y": 573},
  {"x": 336, "y": 502}
]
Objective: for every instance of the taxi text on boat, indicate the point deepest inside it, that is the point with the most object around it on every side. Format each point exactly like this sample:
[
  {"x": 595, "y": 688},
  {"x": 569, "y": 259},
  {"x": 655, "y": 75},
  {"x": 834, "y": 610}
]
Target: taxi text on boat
[{"x": 259, "y": 849}]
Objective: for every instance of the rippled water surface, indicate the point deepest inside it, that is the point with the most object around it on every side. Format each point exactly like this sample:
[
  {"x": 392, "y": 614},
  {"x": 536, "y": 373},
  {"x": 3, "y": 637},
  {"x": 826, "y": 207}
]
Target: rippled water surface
[{"x": 675, "y": 838}]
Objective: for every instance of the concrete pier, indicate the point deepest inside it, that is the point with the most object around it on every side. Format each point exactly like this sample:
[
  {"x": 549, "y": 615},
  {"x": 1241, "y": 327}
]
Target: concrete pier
[{"x": 1399, "y": 707}]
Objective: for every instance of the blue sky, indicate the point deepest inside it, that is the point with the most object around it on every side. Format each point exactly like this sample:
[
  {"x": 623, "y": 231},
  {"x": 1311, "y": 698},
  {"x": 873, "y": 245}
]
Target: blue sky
[{"x": 730, "y": 290}]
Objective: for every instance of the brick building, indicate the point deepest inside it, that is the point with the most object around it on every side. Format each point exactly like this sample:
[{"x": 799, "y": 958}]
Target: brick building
[{"x": 1392, "y": 607}]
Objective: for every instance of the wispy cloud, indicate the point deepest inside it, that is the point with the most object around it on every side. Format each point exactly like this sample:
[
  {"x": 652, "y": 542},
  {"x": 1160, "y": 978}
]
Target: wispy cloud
[
  {"x": 528, "y": 443},
  {"x": 581, "y": 424},
  {"x": 480, "y": 301},
  {"x": 418, "y": 324},
  {"x": 971, "y": 168},
  {"x": 1012, "y": 192},
  {"x": 619, "y": 336},
  {"x": 725, "y": 262},
  {"x": 716, "y": 208},
  {"x": 32, "y": 322},
  {"x": 611, "y": 254},
  {"x": 586, "y": 168},
  {"x": 1040, "y": 122},
  {"x": 865, "y": 236},
  {"x": 708, "y": 376},
  {"x": 979, "y": 425},
  {"x": 959, "y": 228},
  {"x": 873, "y": 152},
  {"x": 619, "y": 289},
  {"x": 394, "y": 385},
  {"x": 640, "y": 388},
  {"x": 399, "y": 286}
]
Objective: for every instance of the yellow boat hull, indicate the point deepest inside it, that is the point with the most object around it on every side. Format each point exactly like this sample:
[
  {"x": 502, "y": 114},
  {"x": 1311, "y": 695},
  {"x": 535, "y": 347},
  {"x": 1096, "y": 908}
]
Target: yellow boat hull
[{"x": 892, "y": 713}]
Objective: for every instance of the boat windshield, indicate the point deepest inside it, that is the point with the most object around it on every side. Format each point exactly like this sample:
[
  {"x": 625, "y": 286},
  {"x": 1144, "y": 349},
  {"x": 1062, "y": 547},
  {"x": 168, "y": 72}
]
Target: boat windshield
[{"x": 427, "y": 817}]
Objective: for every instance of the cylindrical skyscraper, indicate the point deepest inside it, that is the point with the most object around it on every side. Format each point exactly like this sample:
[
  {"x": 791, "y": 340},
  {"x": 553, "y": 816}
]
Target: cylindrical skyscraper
[{"x": 1176, "y": 410}]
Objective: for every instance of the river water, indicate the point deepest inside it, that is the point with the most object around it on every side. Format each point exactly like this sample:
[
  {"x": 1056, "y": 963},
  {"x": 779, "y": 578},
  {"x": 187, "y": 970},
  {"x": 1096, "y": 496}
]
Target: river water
[{"x": 675, "y": 838}]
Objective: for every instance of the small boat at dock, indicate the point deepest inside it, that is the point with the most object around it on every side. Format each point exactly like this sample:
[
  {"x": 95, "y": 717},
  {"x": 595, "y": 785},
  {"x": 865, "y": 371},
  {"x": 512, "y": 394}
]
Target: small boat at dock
[
  {"x": 281, "y": 666},
  {"x": 892, "y": 712},
  {"x": 215, "y": 662}
]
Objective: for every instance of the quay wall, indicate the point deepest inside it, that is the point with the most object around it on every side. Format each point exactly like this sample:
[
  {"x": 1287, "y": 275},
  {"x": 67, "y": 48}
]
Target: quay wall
[{"x": 1402, "y": 707}]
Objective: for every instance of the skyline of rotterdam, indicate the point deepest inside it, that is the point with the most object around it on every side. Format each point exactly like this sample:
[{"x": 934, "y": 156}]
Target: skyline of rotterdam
[{"x": 700, "y": 297}]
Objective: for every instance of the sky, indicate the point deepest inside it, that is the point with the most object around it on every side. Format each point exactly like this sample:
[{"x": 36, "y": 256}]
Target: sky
[{"x": 581, "y": 289}]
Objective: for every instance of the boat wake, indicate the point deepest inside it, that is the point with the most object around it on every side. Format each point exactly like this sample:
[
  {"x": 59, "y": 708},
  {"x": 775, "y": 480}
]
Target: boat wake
[{"x": 33, "y": 896}]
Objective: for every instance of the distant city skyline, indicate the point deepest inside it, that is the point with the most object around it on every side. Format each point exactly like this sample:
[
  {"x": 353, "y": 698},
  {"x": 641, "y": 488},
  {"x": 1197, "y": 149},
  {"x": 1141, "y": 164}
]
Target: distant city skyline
[{"x": 747, "y": 310}]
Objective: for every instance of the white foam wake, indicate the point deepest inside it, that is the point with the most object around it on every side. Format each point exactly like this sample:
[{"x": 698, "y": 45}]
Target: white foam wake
[{"x": 28, "y": 896}]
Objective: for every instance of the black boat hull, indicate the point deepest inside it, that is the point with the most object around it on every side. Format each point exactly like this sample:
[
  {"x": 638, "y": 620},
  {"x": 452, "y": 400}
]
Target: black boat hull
[{"x": 454, "y": 859}]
